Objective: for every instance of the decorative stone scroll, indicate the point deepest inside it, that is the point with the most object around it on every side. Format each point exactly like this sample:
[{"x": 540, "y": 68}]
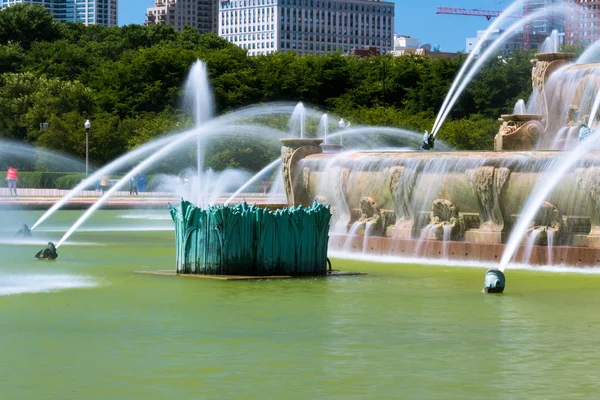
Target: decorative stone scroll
[
  {"x": 488, "y": 184},
  {"x": 548, "y": 220},
  {"x": 445, "y": 216},
  {"x": 518, "y": 132},
  {"x": 371, "y": 221}
]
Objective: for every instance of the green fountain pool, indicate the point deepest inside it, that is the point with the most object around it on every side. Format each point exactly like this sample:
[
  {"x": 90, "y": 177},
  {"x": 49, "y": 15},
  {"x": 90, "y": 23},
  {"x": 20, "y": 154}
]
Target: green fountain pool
[{"x": 403, "y": 331}]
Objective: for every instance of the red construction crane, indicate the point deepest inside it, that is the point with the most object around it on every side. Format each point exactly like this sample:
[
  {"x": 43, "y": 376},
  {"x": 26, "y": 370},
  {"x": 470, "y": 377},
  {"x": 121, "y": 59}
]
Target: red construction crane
[
  {"x": 473, "y": 12},
  {"x": 529, "y": 38}
]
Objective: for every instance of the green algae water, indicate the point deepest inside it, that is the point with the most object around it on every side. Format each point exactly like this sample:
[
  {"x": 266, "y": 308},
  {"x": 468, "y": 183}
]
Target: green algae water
[{"x": 88, "y": 327}]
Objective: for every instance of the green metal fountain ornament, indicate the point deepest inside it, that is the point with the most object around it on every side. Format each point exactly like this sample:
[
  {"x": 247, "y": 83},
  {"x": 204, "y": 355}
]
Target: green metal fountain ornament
[
  {"x": 250, "y": 240},
  {"x": 495, "y": 281}
]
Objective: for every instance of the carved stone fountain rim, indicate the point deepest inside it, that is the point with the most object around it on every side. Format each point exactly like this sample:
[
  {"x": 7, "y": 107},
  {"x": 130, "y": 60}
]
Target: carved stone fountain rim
[
  {"x": 521, "y": 117},
  {"x": 554, "y": 56},
  {"x": 297, "y": 142}
]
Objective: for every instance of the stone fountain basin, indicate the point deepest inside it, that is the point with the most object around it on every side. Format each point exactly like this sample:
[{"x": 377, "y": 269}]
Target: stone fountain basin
[
  {"x": 555, "y": 56},
  {"x": 488, "y": 189}
]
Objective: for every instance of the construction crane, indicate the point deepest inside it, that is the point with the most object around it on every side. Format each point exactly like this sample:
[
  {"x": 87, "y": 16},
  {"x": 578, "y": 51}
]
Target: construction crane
[
  {"x": 473, "y": 12},
  {"x": 528, "y": 37}
]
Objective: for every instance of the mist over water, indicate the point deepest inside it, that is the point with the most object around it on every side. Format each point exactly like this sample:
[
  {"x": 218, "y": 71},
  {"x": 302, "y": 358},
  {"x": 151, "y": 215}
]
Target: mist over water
[{"x": 42, "y": 283}]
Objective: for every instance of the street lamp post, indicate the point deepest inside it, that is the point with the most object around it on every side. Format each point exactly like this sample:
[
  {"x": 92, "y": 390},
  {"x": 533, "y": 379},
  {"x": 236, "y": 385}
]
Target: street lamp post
[
  {"x": 342, "y": 125},
  {"x": 87, "y": 125}
]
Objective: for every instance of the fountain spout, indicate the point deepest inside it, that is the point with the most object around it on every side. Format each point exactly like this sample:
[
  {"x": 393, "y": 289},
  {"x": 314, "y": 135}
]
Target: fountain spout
[
  {"x": 49, "y": 253},
  {"x": 428, "y": 141},
  {"x": 495, "y": 281},
  {"x": 24, "y": 231}
]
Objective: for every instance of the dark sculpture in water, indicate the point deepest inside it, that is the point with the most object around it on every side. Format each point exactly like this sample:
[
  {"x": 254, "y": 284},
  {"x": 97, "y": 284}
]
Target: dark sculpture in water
[
  {"x": 428, "y": 141},
  {"x": 24, "y": 231},
  {"x": 494, "y": 281},
  {"x": 49, "y": 253}
]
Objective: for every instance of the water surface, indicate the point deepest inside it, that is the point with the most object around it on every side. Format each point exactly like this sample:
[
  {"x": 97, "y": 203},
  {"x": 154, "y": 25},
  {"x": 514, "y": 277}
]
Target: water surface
[{"x": 88, "y": 327}]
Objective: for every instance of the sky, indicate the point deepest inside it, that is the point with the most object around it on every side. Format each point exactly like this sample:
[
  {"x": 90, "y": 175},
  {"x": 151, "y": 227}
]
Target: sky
[{"x": 416, "y": 18}]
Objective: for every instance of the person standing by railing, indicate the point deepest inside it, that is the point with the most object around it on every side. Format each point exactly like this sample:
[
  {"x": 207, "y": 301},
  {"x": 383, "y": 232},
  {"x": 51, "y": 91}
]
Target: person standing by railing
[
  {"x": 12, "y": 177},
  {"x": 134, "y": 186}
]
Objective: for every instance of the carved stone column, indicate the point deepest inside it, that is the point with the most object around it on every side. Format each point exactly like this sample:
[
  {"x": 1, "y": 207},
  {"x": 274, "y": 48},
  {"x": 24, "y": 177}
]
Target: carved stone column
[
  {"x": 292, "y": 151},
  {"x": 402, "y": 184},
  {"x": 544, "y": 65},
  {"x": 488, "y": 184}
]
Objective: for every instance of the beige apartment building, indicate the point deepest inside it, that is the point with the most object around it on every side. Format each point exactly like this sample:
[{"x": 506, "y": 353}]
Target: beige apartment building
[{"x": 199, "y": 14}]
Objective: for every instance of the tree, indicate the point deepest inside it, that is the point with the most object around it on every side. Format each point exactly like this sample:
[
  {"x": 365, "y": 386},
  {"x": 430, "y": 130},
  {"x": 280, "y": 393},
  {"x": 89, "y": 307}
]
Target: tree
[{"x": 25, "y": 24}]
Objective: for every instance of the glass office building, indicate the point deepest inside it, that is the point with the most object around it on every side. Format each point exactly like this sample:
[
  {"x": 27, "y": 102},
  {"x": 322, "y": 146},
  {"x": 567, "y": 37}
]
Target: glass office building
[{"x": 88, "y": 12}]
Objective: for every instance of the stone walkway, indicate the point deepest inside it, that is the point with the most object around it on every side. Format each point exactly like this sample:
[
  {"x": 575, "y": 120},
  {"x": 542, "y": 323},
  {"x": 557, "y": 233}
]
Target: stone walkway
[{"x": 45, "y": 198}]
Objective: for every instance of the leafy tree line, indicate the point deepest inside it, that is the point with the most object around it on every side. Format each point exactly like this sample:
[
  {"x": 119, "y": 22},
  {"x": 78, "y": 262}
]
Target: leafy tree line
[{"x": 129, "y": 82}]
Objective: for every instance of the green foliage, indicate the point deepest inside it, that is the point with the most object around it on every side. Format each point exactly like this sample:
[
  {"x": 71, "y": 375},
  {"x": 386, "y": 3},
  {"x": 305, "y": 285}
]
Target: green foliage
[
  {"x": 25, "y": 24},
  {"x": 242, "y": 152},
  {"x": 573, "y": 48},
  {"x": 68, "y": 182},
  {"x": 474, "y": 133},
  {"x": 499, "y": 85},
  {"x": 129, "y": 82},
  {"x": 38, "y": 180}
]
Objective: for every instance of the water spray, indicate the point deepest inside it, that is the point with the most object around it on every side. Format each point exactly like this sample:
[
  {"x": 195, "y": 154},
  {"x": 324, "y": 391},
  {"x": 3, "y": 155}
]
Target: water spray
[
  {"x": 540, "y": 13},
  {"x": 514, "y": 7}
]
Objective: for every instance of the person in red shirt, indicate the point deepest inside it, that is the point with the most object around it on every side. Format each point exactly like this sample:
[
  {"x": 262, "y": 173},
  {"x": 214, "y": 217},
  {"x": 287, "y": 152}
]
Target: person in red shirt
[{"x": 12, "y": 176}]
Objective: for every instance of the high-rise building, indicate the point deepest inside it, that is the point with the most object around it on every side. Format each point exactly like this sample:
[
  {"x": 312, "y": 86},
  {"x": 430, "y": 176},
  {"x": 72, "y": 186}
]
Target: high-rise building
[
  {"x": 513, "y": 43},
  {"x": 199, "y": 14},
  {"x": 89, "y": 12},
  {"x": 583, "y": 23},
  {"x": 307, "y": 26},
  {"x": 545, "y": 25}
]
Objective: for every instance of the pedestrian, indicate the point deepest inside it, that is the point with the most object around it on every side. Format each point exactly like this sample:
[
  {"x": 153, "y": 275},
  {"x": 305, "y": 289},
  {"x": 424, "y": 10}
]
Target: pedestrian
[
  {"x": 104, "y": 182},
  {"x": 12, "y": 177},
  {"x": 134, "y": 185}
]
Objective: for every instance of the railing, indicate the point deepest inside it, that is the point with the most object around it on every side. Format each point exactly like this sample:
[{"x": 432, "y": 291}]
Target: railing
[{"x": 32, "y": 192}]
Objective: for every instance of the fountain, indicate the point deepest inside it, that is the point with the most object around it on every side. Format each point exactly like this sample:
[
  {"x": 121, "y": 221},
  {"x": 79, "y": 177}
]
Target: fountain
[
  {"x": 248, "y": 241},
  {"x": 551, "y": 43},
  {"x": 452, "y": 205},
  {"x": 462, "y": 205},
  {"x": 198, "y": 97},
  {"x": 520, "y": 108},
  {"x": 298, "y": 120}
]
